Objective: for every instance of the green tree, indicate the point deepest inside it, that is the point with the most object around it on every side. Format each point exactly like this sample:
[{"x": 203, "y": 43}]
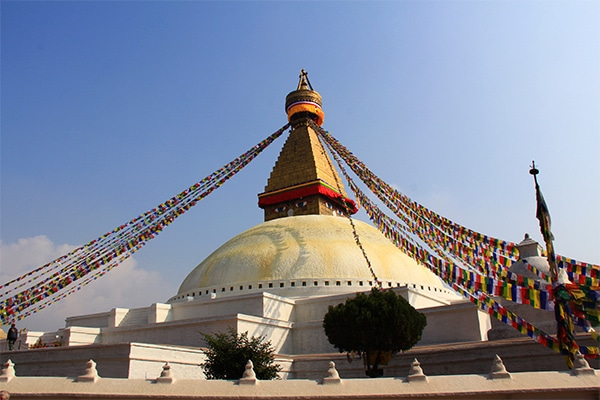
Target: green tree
[
  {"x": 375, "y": 325},
  {"x": 228, "y": 353}
]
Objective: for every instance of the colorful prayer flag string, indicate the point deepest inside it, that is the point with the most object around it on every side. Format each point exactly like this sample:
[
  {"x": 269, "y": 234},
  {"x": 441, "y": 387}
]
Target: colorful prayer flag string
[
  {"x": 471, "y": 261},
  {"x": 53, "y": 281},
  {"x": 477, "y": 250}
]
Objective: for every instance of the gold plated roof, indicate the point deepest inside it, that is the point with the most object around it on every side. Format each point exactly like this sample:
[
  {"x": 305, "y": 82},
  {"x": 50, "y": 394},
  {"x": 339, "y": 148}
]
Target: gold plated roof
[{"x": 302, "y": 159}]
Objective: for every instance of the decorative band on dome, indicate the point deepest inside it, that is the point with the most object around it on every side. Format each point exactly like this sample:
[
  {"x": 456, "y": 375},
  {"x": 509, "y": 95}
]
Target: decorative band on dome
[{"x": 306, "y": 106}]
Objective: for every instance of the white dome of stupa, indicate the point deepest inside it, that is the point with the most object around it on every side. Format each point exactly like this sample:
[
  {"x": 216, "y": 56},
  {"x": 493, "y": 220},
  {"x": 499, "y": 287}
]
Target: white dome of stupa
[{"x": 306, "y": 255}]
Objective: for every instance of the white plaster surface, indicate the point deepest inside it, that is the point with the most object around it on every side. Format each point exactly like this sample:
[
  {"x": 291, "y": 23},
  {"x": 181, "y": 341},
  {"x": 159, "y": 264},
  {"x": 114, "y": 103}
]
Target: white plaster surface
[
  {"x": 304, "y": 249},
  {"x": 537, "y": 385},
  {"x": 293, "y": 325}
]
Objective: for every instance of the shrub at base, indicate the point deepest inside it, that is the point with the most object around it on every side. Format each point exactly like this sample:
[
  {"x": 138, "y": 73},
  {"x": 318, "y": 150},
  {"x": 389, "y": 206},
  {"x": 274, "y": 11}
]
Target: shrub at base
[
  {"x": 375, "y": 326},
  {"x": 228, "y": 353}
]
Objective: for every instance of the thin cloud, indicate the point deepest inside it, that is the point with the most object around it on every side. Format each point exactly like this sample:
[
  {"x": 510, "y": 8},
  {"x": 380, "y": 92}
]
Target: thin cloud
[{"x": 126, "y": 286}]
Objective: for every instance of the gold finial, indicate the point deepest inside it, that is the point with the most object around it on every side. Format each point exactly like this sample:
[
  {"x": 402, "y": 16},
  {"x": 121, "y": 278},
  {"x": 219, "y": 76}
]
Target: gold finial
[
  {"x": 304, "y": 83},
  {"x": 304, "y": 102}
]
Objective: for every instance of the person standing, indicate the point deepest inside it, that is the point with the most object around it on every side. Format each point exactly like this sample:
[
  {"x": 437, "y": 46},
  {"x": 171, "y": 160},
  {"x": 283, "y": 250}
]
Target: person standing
[{"x": 12, "y": 336}]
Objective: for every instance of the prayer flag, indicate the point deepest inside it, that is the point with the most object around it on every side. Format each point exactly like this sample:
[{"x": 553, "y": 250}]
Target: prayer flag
[{"x": 543, "y": 215}]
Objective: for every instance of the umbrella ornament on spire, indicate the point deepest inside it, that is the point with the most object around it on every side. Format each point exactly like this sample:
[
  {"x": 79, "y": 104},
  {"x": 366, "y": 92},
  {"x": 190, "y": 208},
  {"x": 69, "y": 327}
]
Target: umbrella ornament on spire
[{"x": 304, "y": 102}]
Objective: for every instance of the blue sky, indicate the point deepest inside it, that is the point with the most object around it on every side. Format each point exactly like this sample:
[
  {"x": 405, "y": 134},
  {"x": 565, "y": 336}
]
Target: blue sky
[{"x": 109, "y": 108}]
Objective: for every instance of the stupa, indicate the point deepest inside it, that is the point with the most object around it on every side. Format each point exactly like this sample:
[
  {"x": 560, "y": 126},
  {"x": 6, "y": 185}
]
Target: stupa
[
  {"x": 275, "y": 280},
  {"x": 306, "y": 246}
]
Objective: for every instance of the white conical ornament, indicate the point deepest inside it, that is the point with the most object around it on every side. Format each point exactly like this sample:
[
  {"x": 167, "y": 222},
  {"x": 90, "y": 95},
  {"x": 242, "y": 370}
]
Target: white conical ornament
[
  {"x": 581, "y": 366},
  {"x": 249, "y": 376},
  {"x": 166, "y": 375},
  {"x": 332, "y": 375},
  {"x": 8, "y": 371},
  {"x": 498, "y": 369},
  {"x": 91, "y": 374},
  {"x": 415, "y": 373},
  {"x": 563, "y": 278}
]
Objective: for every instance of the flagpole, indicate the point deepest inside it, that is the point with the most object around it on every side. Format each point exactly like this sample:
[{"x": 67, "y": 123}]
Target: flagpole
[
  {"x": 543, "y": 215},
  {"x": 565, "y": 330}
]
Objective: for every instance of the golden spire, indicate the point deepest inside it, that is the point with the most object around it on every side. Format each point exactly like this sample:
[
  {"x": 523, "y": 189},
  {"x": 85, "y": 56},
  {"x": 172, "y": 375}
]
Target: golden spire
[{"x": 303, "y": 180}]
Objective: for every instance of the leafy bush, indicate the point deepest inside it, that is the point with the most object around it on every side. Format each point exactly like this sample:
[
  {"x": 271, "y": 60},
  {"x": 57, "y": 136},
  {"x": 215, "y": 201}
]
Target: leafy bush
[
  {"x": 373, "y": 325},
  {"x": 228, "y": 353}
]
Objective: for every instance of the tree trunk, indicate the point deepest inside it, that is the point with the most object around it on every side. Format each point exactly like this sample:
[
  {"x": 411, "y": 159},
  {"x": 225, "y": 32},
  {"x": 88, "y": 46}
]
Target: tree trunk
[{"x": 372, "y": 361}]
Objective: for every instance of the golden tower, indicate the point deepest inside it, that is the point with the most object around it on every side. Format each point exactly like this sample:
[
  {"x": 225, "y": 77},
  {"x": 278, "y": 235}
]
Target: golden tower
[{"x": 304, "y": 180}]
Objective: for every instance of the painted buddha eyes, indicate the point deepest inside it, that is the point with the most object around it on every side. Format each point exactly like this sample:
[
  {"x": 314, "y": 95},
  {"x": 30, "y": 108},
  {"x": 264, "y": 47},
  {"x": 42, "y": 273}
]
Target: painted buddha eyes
[{"x": 298, "y": 204}]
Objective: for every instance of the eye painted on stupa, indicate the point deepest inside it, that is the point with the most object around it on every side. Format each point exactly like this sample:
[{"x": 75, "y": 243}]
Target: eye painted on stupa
[
  {"x": 301, "y": 204},
  {"x": 329, "y": 205},
  {"x": 280, "y": 209}
]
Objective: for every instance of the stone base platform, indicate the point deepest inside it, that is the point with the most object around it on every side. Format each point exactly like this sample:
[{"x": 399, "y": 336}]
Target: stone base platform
[{"x": 144, "y": 361}]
